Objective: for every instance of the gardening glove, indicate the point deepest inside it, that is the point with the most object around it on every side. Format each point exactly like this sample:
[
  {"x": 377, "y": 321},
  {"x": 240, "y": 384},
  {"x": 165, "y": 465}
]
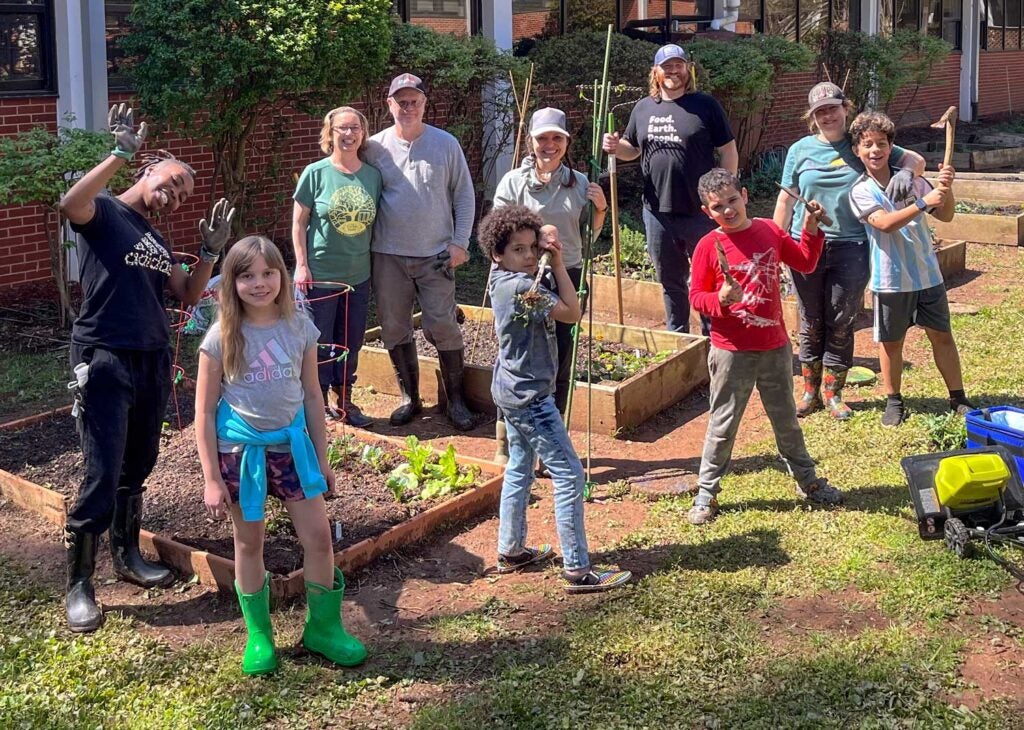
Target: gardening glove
[
  {"x": 215, "y": 233},
  {"x": 121, "y": 120},
  {"x": 901, "y": 186}
]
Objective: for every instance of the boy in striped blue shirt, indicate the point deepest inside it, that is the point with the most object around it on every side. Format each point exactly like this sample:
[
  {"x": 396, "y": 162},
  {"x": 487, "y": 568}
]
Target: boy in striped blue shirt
[{"x": 906, "y": 280}]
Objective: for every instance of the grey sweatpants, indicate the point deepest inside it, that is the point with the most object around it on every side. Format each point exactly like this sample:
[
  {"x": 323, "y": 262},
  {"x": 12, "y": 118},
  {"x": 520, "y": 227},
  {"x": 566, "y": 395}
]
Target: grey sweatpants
[
  {"x": 398, "y": 282},
  {"x": 733, "y": 377}
]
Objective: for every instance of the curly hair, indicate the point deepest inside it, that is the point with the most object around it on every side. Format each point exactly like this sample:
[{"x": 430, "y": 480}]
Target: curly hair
[
  {"x": 871, "y": 122},
  {"x": 498, "y": 226},
  {"x": 715, "y": 181}
]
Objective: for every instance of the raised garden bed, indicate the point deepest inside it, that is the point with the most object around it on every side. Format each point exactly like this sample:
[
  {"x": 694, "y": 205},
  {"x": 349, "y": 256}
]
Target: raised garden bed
[
  {"x": 969, "y": 156},
  {"x": 617, "y": 405},
  {"x": 989, "y": 188},
  {"x": 177, "y": 529},
  {"x": 1005, "y": 230}
]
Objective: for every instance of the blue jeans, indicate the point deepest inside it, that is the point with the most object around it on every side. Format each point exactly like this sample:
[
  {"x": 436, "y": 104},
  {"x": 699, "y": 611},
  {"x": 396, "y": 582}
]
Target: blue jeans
[
  {"x": 537, "y": 430},
  {"x": 830, "y": 298},
  {"x": 671, "y": 241},
  {"x": 341, "y": 321}
]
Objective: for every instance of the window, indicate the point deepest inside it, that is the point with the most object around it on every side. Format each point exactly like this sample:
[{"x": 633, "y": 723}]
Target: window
[
  {"x": 26, "y": 46},
  {"x": 116, "y": 28},
  {"x": 944, "y": 21},
  {"x": 814, "y": 18},
  {"x": 533, "y": 19},
  {"x": 780, "y": 18},
  {"x": 1000, "y": 25}
]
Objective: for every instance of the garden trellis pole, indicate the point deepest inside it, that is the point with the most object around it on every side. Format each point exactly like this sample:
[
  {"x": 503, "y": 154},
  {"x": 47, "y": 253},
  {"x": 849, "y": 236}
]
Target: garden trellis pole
[{"x": 613, "y": 189}]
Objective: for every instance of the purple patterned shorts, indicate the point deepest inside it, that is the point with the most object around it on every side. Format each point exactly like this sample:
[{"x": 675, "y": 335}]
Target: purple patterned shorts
[{"x": 282, "y": 479}]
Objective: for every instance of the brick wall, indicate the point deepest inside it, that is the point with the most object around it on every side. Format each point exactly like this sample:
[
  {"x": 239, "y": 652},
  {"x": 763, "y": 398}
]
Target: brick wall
[
  {"x": 23, "y": 250},
  {"x": 999, "y": 74},
  {"x": 531, "y": 25}
]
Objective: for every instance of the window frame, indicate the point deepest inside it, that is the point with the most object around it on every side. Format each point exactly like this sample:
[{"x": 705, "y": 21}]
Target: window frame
[
  {"x": 116, "y": 82},
  {"x": 47, "y": 46}
]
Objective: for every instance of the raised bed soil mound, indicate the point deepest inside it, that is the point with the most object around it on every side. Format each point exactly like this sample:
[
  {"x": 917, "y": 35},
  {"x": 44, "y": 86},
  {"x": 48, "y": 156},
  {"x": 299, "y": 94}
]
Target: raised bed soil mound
[
  {"x": 49, "y": 454},
  {"x": 481, "y": 348}
]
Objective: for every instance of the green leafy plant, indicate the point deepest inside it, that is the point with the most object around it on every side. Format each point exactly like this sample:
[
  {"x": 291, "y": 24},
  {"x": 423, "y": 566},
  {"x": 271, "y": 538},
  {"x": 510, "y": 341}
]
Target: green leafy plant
[
  {"x": 765, "y": 172},
  {"x": 635, "y": 261},
  {"x": 946, "y": 431},
  {"x": 742, "y": 76},
  {"x": 339, "y": 450},
  {"x": 617, "y": 365},
  {"x": 375, "y": 456},
  {"x": 417, "y": 455},
  {"x": 216, "y": 71},
  {"x": 38, "y": 167},
  {"x": 874, "y": 69},
  {"x": 445, "y": 477}
]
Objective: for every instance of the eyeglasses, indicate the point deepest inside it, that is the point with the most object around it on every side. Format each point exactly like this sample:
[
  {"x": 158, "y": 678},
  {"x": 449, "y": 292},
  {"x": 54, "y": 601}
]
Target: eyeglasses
[
  {"x": 410, "y": 104},
  {"x": 347, "y": 130}
]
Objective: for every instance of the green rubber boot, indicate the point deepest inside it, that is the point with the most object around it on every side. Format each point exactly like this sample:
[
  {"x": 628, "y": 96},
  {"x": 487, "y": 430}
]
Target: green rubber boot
[
  {"x": 324, "y": 633},
  {"x": 259, "y": 657}
]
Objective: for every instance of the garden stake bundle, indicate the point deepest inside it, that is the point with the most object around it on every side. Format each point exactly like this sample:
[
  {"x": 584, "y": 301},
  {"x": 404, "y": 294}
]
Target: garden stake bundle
[
  {"x": 597, "y": 122},
  {"x": 522, "y": 106}
]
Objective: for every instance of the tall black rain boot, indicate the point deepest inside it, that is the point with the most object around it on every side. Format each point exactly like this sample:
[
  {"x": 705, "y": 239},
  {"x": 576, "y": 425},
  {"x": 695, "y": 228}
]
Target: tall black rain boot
[
  {"x": 129, "y": 564},
  {"x": 83, "y": 614},
  {"x": 407, "y": 372},
  {"x": 452, "y": 368},
  {"x": 350, "y": 412}
]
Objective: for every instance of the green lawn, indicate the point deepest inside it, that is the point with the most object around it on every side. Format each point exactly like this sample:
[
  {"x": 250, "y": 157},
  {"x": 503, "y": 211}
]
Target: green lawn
[{"x": 711, "y": 637}]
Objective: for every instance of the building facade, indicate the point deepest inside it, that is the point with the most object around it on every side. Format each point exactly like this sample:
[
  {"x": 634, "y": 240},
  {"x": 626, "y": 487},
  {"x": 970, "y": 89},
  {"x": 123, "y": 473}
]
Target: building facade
[{"x": 59, "y": 60}]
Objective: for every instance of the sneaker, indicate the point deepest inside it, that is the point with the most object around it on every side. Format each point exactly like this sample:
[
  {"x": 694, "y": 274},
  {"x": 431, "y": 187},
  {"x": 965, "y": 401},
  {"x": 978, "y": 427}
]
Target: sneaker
[
  {"x": 961, "y": 406},
  {"x": 701, "y": 514},
  {"x": 594, "y": 581},
  {"x": 820, "y": 492},
  {"x": 895, "y": 413},
  {"x": 529, "y": 556}
]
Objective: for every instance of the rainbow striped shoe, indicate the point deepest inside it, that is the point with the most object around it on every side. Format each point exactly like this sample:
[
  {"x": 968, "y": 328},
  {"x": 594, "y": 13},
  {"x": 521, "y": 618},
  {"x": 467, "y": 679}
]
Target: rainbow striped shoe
[
  {"x": 529, "y": 556},
  {"x": 597, "y": 581}
]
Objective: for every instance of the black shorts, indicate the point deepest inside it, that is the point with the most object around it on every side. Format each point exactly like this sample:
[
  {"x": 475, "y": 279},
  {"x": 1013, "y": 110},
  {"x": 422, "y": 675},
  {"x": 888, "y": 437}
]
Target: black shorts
[{"x": 896, "y": 311}]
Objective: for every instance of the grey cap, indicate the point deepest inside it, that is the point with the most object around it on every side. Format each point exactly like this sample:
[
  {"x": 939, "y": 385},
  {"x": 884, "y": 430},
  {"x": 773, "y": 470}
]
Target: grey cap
[
  {"x": 670, "y": 51},
  {"x": 824, "y": 94},
  {"x": 548, "y": 119},
  {"x": 406, "y": 81}
]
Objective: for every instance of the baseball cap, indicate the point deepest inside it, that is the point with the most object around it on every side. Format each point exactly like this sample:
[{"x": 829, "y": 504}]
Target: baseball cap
[
  {"x": 824, "y": 94},
  {"x": 670, "y": 51},
  {"x": 548, "y": 119},
  {"x": 406, "y": 81}
]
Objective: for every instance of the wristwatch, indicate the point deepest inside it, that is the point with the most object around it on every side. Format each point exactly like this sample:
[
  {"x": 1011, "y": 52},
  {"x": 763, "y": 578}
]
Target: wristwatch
[{"x": 921, "y": 205}]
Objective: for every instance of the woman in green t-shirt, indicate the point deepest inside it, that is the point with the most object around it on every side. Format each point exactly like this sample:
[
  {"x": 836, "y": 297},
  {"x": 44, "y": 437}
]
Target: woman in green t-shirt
[
  {"x": 823, "y": 167},
  {"x": 332, "y": 222}
]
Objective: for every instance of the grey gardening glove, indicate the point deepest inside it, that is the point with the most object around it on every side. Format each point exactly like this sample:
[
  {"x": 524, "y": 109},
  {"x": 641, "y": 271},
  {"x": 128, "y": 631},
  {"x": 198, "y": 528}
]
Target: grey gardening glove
[
  {"x": 121, "y": 120},
  {"x": 901, "y": 186},
  {"x": 215, "y": 234}
]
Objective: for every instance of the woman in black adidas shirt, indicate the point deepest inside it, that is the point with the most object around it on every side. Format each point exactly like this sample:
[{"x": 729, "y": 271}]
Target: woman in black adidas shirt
[{"x": 120, "y": 351}]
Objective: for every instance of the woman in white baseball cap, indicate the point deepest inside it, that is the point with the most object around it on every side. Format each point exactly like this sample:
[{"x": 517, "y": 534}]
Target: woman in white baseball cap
[{"x": 547, "y": 184}]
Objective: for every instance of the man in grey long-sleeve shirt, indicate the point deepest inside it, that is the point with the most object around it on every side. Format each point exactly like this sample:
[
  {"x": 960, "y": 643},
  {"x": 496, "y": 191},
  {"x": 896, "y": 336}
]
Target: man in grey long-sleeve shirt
[{"x": 421, "y": 234}]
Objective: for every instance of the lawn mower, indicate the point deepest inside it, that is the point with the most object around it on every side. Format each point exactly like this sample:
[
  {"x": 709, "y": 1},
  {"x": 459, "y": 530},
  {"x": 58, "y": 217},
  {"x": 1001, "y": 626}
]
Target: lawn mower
[{"x": 969, "y": 495}]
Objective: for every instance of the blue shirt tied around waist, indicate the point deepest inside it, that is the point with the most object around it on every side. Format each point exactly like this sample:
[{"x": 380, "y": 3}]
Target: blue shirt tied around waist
[{"x": 252, "y": 489}]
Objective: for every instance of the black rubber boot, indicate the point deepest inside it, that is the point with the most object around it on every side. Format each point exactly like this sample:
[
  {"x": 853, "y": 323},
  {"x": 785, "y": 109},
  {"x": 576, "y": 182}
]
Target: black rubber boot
[
  {"x": 407, "y": 371},
  {"x": 452, "y": 369},
  {"x": 80, "y": 603},
  {"x": 129, "y": 564},
  {"x": 350, "y": 412}
]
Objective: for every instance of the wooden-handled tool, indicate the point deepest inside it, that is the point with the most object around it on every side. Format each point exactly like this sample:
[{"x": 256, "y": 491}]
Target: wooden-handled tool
[
  {"x": 824, "y": 217},
  {"x": 948, "y": 120}
]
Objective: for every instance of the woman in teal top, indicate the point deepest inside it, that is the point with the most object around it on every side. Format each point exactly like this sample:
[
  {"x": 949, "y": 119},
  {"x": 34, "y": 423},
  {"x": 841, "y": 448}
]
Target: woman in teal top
[
  {"x": 332, "y": 222},
  {"x": 823, "y": 167}
]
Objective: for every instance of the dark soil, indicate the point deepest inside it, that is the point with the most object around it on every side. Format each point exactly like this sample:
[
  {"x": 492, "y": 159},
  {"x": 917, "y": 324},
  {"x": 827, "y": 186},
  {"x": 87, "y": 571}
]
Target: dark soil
[
  {"x": 48, "y": 454},
  {"x": 968, "y": 206},
  {"x": 482, "y": 349}
]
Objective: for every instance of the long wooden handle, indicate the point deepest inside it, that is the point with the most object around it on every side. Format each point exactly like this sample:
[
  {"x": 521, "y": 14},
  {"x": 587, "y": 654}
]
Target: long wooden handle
[
  {"x": 950, "y": 137},
  {"x": 613, "y": 185},
  {"x": 824, "y": 216}
]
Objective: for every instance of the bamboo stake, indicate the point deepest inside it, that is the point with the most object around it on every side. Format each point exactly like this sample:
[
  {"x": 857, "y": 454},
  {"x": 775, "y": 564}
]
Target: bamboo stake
[{"x": 614, "y": 203}]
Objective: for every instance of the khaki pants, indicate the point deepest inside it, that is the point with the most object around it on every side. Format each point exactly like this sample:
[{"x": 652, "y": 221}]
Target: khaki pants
[{"x": 401, "y": 281}]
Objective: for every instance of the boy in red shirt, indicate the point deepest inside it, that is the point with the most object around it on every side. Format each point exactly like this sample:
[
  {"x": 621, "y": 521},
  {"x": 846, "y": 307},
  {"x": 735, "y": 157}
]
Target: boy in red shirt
[{"x": 735, "y": 282}]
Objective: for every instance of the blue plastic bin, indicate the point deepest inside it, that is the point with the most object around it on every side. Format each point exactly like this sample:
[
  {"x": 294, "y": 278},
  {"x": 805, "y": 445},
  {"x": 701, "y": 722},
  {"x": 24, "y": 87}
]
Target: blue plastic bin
[{"x": 981, "y": 431}]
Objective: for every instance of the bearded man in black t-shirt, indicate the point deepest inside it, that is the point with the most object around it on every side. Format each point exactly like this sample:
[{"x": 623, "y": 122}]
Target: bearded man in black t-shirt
[
  {"x": 120, "y": 352},
  {"x": 675, "y": 132}
]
